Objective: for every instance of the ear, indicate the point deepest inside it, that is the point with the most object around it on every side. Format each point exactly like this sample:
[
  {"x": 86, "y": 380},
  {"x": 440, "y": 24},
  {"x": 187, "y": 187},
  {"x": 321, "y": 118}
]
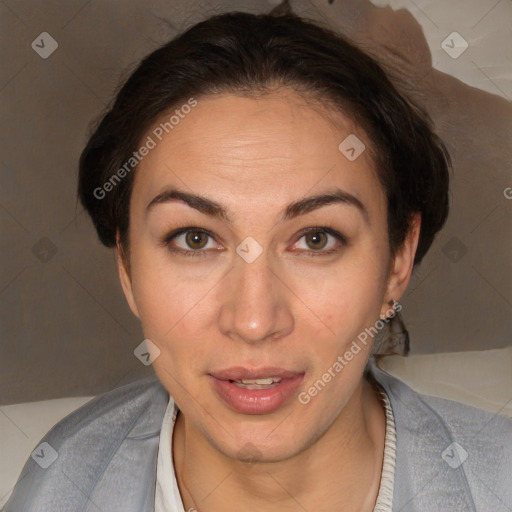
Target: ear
[
  {"x": 125, "y": 277},
  {"x": 402, "y": 265}
]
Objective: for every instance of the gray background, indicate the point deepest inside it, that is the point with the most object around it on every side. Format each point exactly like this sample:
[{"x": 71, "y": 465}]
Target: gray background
[{"x": 66, "y": 329}]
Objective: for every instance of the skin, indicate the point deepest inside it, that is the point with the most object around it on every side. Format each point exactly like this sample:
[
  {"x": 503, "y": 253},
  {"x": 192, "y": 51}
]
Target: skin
[{"x": 287, "y": 308}]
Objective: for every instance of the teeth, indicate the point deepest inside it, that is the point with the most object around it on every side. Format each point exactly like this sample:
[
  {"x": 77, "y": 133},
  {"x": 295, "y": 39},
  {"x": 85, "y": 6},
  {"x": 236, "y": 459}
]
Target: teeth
[
  {"x": 257, "y": 383},
  {"x": 261, "y": 382}
]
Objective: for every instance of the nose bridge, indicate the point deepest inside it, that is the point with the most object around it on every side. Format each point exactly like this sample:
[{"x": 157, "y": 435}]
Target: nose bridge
[{"x": 254, "y": 306}]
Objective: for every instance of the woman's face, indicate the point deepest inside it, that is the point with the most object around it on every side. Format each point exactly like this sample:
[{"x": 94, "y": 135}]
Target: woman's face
[{"x": 254, "y": 293}]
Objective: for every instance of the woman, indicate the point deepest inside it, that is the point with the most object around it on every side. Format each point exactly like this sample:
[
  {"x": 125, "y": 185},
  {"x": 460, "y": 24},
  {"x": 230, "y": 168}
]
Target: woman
[{"x": 268, "y": 193}]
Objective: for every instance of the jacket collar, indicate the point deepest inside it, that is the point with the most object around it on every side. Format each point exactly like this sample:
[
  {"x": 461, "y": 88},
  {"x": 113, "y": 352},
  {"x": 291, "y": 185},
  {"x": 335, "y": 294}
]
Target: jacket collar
[{"x": 424, "y": 480}]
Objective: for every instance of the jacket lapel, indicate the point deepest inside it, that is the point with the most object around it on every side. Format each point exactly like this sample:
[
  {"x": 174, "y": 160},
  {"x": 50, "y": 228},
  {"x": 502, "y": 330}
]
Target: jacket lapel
[{"x": 426, "y": 473}]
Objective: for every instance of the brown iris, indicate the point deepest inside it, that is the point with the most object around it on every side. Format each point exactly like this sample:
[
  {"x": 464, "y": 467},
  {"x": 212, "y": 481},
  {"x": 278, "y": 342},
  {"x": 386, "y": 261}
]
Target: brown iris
[
  {"x": 318, "y": 239},
  {"x": 196, "y": 239}
]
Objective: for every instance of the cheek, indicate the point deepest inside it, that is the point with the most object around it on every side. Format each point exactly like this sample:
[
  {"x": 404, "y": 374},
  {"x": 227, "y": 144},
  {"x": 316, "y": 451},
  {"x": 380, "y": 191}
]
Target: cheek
[
  {"x": 344, "y": 297},
  {"x": 348, "y": 304},
  {"x": 174, "y": 318},
  {"x": 171, "y": 303}
]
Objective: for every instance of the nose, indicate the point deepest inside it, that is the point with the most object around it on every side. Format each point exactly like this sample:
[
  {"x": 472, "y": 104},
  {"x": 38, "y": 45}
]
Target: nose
[{"x": 255, "y": 303}]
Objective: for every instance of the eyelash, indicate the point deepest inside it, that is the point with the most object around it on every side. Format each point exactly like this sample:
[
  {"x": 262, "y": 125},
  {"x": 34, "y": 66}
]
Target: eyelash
[{"x": 201, "y": 252}]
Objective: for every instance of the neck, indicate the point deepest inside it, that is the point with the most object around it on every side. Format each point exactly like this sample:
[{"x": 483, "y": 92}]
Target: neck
[{"x": 338, "y": 471}]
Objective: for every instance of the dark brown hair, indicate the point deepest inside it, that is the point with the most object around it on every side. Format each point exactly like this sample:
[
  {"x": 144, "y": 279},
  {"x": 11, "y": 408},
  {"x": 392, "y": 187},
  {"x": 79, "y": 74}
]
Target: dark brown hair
[{"x": 248, "y": 54}]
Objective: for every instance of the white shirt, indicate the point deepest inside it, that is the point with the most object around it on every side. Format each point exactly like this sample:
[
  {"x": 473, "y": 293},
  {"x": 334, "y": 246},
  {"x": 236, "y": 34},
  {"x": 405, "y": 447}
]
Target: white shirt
[{"x": 167, "y": 494}]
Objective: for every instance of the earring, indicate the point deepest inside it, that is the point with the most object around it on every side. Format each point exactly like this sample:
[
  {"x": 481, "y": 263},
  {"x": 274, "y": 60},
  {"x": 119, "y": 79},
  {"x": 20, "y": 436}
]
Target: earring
[
  {"x": 394, "y": 339},
  {"x": 394, "y": 304}
]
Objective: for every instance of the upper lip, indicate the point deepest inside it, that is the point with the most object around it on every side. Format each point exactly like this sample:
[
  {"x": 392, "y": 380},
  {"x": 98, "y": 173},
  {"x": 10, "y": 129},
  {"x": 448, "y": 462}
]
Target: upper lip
[{"x": 241, "y": 373}]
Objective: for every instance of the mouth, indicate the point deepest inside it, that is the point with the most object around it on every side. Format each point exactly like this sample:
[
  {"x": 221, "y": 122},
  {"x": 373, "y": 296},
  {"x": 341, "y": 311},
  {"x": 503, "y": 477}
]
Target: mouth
[{"x": 255, "y": 391}]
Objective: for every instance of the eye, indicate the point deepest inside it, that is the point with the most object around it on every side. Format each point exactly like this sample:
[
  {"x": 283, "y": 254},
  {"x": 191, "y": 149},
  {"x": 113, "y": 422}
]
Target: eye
[
  {"x": 320, "y": 241},
  {"x": 190, "y": 241}
]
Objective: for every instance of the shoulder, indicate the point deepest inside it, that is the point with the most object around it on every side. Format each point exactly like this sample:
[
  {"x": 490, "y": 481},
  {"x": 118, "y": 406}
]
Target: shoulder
[
  {"x": 126, "y": 403},
  {"x": 448, "y": 449},
  {"x": 112, "y": 438},
  {"x": 456, "y": 417},
  {"x": 126, "y": 410}
]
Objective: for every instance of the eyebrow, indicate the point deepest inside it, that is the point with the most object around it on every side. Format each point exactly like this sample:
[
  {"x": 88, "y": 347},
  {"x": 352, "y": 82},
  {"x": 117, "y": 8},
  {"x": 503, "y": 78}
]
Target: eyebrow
[{"x": 293, "y": 210}]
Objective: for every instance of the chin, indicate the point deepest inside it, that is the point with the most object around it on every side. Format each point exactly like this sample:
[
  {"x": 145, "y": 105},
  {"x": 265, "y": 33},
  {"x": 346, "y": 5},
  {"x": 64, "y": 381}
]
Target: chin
[{"x": 272, "y": 441}]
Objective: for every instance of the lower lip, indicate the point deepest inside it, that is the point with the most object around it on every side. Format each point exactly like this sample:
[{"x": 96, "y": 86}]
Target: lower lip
[{"x": 256, "y": 401}]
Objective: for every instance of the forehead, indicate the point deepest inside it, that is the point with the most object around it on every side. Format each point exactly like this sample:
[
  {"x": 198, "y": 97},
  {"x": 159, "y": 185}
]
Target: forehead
[{"x": 250, "y": 148}]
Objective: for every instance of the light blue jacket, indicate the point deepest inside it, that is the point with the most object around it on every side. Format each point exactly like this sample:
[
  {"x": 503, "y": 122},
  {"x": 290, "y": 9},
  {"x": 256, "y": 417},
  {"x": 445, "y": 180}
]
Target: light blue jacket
[{"x": 107, "y": 453}]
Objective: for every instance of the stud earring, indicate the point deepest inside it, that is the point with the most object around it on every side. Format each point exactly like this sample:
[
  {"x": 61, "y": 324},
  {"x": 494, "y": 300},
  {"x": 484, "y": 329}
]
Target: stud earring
[{"x": 394, "y": 304}]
